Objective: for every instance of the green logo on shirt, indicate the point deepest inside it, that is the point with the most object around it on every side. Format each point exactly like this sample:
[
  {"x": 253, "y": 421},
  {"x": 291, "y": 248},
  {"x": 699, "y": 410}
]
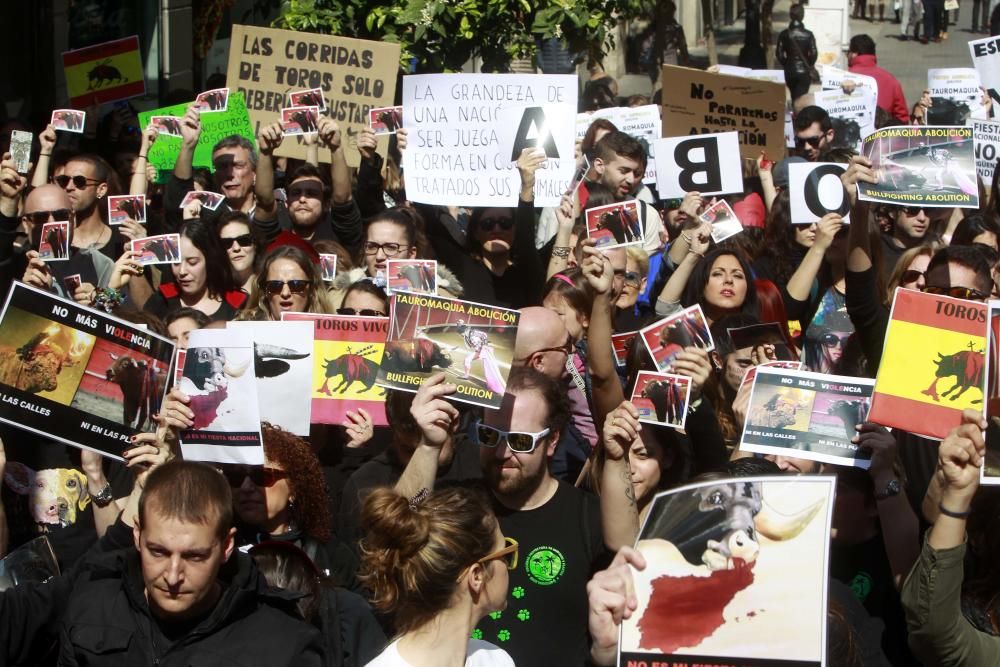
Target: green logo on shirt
[{"x": 545, "y": 565}]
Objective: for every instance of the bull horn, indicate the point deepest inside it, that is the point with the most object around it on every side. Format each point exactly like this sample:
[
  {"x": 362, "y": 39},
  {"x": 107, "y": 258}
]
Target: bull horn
[
  {"x": 113, "y": 356},
  {"x": 235, "y": 371},
  {"x": 277, "y": 352},
  {"x": 778, "y": 527}
]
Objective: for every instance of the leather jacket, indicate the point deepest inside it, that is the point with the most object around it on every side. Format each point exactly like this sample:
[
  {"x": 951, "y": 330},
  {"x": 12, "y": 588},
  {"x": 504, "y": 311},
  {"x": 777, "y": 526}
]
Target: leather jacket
[{"x": 788, "y": 55}]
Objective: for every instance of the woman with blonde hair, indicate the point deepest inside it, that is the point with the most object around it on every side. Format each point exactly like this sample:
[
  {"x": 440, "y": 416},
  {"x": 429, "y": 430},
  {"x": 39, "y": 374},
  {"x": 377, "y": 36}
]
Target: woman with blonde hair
[
  {"x": 436, "y": 564},
  {"x": 288, "y": 281}
]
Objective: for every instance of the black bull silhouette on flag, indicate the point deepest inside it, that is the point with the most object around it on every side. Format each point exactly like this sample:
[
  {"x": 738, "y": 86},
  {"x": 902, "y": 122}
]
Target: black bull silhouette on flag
[{"x": 966, "y": 366}]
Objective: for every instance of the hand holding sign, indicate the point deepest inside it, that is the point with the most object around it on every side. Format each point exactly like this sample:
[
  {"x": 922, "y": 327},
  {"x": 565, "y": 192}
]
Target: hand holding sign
[
  {"x": 329, "y": 133},
  {"x": 37, "y": 273},
  {"x": 859, "y": 170},
  {"x": 12, "y": 184},
  {"x": 621, "y": 429},
  {"x": 190, "y": 127},
  {"x": 269, "y": 138},
  {"x": 826, "y": 230},
  {"x": 433, "y": 415},
  {"x": 528, "y": 162}
]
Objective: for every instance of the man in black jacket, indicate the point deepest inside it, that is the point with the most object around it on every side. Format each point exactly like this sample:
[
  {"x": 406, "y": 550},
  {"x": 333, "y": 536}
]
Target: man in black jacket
[
  {"x": 796, "y": 51},
  {"x": 180, "y": 597}
]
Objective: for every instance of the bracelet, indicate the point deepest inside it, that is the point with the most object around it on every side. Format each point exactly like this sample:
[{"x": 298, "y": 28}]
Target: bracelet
[
  {"x": 560, "y": 251},
  {"x": 108, "y": 298},
  {"x": 953, "y": 515},
  {"x": 141, "y": 156},
  {"x": 420, "y": 497}
]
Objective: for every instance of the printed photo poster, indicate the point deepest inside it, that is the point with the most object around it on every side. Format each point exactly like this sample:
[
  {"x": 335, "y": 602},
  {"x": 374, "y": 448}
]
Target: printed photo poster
[
  {"x": 834, "y": 78},
  {"x": 990, "y": 471},
  {"x": 815, "y": 189},
  {"x": 852, "y": 115},
  {"x": 662, "y": 398},
  {"x": 642, "y": 123},
  {"x": 731, "y": 566},
  {"x": 933, "y": 364},
  {"x": 807, "y": 415},
  {"x": 53, "y": 243},
  {"x": 746, "y": 384},
  {"x": 347, "y": 351},
  {"x": 986, "y": 59},
  {"x": 283, "y": 364},
  {"x": 411, "y": 275},
  {"x": 614, "y": 225},
  {"x": 472, "y": 343},
  {"x": 466, "y": 130},
  {"x": 78, "y": 375},
  {"x": 667, "y": 338},
  {"x": 219, "y": 379},
  {"x": 922, "y": 166},
  {"x": 723, "y": 220},
  {"x": 161, "y": 249},
  {"x": 956, "y": 96},
  {"x": 126, "y": 207},
  {"x": 621, "y": 345},
  {"x": 987, "y": 136}
]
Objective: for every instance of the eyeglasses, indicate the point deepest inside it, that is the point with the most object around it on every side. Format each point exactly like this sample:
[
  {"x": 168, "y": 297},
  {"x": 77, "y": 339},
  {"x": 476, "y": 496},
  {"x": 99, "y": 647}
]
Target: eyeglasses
[
  {"x": 910, "y": 276},
  {"x": 294, "y": 286},
  {"x": 833, "y": 340},
  {"x": 672, "y": 204},
  {"x": 308, "y": 193},
  {"x": 364, "y": 312},
  {"x": 508, "y": 554},
  {"x": 259, "y": 475},
  {"x": 243, "y": 240},
  {"x": 388, "y": 249},
  {"x": 503, "y": 223},
  {"x": 956, "y": 292},
  {"x": 566, "y": 348},
  {"x": 517, "y": 441},
  {"x": 41, "y": 217},
  {"x": 800, "y": 142},
  {"x": 79, "y": 181},
  {"x": 632, "y": 278},
  {"x": 913, "y": 211}
]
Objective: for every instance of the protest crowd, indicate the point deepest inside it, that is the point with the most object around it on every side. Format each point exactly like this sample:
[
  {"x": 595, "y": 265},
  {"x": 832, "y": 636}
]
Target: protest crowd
[{"x": 337, "y": 392}]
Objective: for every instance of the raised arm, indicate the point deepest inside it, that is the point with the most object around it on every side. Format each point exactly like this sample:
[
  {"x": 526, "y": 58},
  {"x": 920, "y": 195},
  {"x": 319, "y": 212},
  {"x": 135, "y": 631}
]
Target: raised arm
[
  {"x": 139, "y": 184},
  {"x": 190, "y": 134},
  {"x": 437, "y": 420},
  {"x": 561, "y": 248},
  {"x": 696, "y": 242},
  {"x": 801, "y": 282},
  {"x": 268, "y": 139},
  {"x": 859, "y": 256},
  {"x": 47, "y": 143},
  {"x": 340, "y": 174},
  {"x": 690, "y": 207}
]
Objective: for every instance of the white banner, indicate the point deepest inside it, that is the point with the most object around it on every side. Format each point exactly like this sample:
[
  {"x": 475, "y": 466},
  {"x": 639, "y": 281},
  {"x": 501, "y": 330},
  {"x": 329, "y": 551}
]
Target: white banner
[
  {"x": 853, "y": 115},
  {"x": 956, "y": 96},
  {"x": 985, "y": 54},
  {"x": 987, "y": 138}
]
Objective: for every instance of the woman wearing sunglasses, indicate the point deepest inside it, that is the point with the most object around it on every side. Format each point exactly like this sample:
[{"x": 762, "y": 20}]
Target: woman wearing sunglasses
[
  {"x": 242, "y": 248},
  {"x": 288, "y": 282},
  {"x": 436, "y": 564}
]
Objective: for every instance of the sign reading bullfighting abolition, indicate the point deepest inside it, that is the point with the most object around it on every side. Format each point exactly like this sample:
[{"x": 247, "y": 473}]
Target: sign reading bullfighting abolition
[
  {"x": 347, "y": 351},
  {"x": 266, "y": 64},
  {"x": 76, "y": 374},
  {"x": 922, "y": 166},
  {"x": 465, "y": 131},
  {"x": 471, "y": 343},
  {"x": 933, "y": 363},
  {"x": 730, "y": 565},
  {"x": 706, "y": 103},
  {"x": 104, "y": 72}
]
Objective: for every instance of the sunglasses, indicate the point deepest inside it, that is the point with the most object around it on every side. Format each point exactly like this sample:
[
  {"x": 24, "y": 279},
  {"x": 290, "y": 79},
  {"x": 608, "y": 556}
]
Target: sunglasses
[
  {"x": 259, "y": 475},
  {"x": 632, "y": 278},
  {"x": 492, "y": 223},
  {"x": 912, "y": 211},
  {"x": 800, "y": 142},
  {"x": 388, "y": 249},
  {"x": 308, "y": 193},
  {"x": 243, "y": 240},
  {"x": 672, "y": 204},
  {"x": 910, "y": 276},
  {"x": 41, "y": 217},
  {"x": 508, "y": 554},
  {"x": 833, "y": 340},
  {"x": 524, "y": 443},
  {"x": 294, "y": 286},
  {"x": 364, "y": 312},
  {"x": 79, "y": 181},
  {"x": 956, "y": 292}
]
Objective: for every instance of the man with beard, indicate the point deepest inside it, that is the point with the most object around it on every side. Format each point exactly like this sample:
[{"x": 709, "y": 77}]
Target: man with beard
[{"x": 85, "y": 180}]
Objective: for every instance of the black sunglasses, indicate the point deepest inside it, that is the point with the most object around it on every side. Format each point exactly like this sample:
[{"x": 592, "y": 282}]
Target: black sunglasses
[
  {"x": 364, "y": 312},
  {"x": 956, "y": 292},
  {"x": 79, "y": 181},
  {"x": 259, "y": 475},
  {"x": 503, "y": 223},
  {"x": 832, "y": 340},
  {"x": 800, "y": 142},
  {"x": 294, "y": 286},
  {"x": 913, "y": 210},
  {"x": 910, "y": 276},
  {"x": 41, "y": 217},
  {"x": 672, "y": 204},
  {"x": 244, "y": 241}
]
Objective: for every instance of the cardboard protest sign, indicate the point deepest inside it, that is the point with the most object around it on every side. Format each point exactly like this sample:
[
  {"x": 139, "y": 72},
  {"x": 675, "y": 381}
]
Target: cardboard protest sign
[
  {"x": 661, "y": 398},
  {"x": 219, "y": 377},
  {"x": 853, "y": 115},
  {"x": 466, "y": 130},
  {"x": 807, "y": 415},
  {"x": 266, "y": 64},
  {"x": 987, "y": 140},
  {"x": 411, "y": 275},
  {"x": 956, "y": 96},
  {"x": 104, "y": 72},
  {"x": 922, "y": 166},
  {"x": 730, "y": 566},
  {"x": 641, "y": 123},
  {"x": 815, "y": 189},
  {"x": 933, "y": 363},
  {"x": 347, "y": 352},
  {"x": 76, "y": 374},
  {"x": 614, "y": 225},
  {"x": 705, "y": 103},
  {"x": 709, "y": 164},
  {"x": 621, "y": 344},
  {"x": 667, "y": 338},
  {"x": 214, "y": 126},
  {"x": 990, "y": 470},
  {"x": 828, "y": 20},
  {"x": 985, "y": 54},
  {"x": 431, "y": 334},
  {"x": 283, "y": 362},
  {"x": 723, "y": 220}
]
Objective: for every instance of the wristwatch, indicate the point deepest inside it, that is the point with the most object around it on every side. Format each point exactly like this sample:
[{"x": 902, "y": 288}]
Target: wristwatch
[
  {"x": 103, "y": 497},
  {"x": 893, "y": 488}
]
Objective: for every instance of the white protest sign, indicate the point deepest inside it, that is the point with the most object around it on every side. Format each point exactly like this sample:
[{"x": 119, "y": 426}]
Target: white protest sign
[
  {"x": 460, "y": 152},
  {"x": 985, "y": 54},
  {"x": 814, "y": 190},
  {"x": 834, "y": 78},
  {"x": 987, "y": 138},
  {"x": 853, "y": 115},
  {"x": 642, "y": 123},
  {"x": 708, "y": 163},
  {"x": 956, "y": 96}
]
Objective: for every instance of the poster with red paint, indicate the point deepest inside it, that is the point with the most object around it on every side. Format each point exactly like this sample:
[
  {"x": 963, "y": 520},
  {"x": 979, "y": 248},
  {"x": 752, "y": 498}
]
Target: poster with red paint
[{"x": 736, "y": 574}]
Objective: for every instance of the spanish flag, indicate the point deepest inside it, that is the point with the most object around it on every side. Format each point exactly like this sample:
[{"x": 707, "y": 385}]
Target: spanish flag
[
  {"x": 104, "y": 72},
  {"x": 933, "y": 364}
]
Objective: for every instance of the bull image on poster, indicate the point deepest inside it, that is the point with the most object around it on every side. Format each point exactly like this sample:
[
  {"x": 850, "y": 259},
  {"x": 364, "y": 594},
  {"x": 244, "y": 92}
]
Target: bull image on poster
[
  {"x": 731, "y": 565},
  {"x": 668, "y": 337},
  {"x": 473, "y": 344}
]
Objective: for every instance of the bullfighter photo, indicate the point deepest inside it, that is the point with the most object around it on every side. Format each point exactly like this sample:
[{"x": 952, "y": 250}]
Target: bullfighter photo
[
  {"x": 53, "y": 245},
  {"x": 126, "y": 207},
  {"x": 665, "y": 339},
  {"x": 162, "y": 249},
  {"x": 386, "y": 120},
  {"x": 614, "y": 225},
  {"x": 299, "y": 120},
  {"x": 662, "y": 398}
]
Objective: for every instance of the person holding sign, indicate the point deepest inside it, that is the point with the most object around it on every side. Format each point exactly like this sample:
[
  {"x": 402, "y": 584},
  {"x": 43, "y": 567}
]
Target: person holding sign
[
  {"x": 861, "y": 60},
  {"x": 619, "y": 163}
]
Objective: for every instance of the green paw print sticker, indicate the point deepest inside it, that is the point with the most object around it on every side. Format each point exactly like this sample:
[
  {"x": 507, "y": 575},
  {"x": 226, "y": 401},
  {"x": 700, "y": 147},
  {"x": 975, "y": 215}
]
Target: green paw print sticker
[
  {"x": 495, "y": 615},
  {"x": 523, "y": 615},
  {"x": 477, "y": 634},
  {"x": 503, "y": 635},
  {"x": 518, "y": 592}
]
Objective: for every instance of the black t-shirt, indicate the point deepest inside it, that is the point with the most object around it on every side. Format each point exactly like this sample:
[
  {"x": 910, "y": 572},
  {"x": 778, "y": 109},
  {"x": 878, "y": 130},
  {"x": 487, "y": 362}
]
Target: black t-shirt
[
  {"x": 560, "y": 546},
  {"x": 45, "y": 492}
]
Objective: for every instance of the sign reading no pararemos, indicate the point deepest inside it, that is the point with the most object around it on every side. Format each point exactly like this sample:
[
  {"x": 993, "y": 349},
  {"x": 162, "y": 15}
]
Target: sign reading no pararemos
[
  {"x": 265, "y": 64},
  {"x": 703, "y": 103}
]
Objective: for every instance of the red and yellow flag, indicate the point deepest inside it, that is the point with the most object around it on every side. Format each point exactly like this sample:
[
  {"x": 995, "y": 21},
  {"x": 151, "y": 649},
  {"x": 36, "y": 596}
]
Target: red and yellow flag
[
  {"x": 104, "y": 72},
  {"x": 933, "y": 364}
]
